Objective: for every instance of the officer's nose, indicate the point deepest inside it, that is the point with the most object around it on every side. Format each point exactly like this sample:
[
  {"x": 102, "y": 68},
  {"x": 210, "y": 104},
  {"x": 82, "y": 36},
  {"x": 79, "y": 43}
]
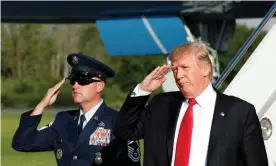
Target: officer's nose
[{"x": 75, "y": 85}]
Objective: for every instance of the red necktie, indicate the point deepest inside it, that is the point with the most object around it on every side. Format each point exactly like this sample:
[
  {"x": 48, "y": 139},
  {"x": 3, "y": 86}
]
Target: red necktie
[{"x": 182, "y": 154}]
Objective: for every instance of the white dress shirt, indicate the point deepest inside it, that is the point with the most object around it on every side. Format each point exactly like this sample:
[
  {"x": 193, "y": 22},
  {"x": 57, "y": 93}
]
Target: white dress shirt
[
  {"x": 88, "y": 115},
  {"x": 203, "y": 114}
]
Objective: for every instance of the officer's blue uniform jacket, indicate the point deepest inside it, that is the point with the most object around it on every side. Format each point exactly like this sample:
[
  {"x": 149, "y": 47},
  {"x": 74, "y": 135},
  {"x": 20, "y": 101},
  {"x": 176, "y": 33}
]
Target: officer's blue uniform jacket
[{"x": 69, "y": 149}]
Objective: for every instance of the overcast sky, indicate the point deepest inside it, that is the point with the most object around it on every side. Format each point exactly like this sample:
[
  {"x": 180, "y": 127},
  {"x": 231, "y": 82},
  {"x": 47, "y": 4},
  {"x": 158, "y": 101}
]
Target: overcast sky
[{"x": 255, "y": 22}]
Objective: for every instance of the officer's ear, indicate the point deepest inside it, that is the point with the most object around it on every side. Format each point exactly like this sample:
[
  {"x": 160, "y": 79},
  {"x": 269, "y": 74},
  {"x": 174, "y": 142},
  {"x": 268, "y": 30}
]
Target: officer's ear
[{"x": 100, "y": 86}]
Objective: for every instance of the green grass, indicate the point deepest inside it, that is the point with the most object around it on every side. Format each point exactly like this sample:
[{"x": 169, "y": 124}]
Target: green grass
[{"x": 10, "y": 157}]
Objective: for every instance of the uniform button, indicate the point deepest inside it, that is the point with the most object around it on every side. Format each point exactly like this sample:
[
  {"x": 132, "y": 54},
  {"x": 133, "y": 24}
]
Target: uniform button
[{"x": 75, "y": 157}]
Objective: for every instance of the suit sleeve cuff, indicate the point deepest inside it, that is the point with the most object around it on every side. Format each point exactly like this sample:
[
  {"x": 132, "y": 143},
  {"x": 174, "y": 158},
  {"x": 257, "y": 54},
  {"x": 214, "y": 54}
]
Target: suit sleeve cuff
[
  {"x": 138, "y": 92},
  {"x": 27, "y": 120}
]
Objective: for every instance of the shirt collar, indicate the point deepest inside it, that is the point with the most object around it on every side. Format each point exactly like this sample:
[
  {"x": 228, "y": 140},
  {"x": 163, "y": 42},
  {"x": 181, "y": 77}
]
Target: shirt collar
[
  {"x": 205, "y": 98},
  {"x": 88, "y": 115}
]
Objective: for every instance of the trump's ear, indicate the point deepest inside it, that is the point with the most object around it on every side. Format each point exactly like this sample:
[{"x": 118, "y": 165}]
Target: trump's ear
[{"x": 205, "y": 69}]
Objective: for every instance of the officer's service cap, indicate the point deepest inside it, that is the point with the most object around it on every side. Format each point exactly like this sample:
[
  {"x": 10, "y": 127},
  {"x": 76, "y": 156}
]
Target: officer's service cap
[{"x": 86, "y": 66}]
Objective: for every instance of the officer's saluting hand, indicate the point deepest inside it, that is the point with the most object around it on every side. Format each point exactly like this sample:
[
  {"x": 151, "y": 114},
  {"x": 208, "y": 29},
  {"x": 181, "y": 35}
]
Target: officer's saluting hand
[
  {"x": 49, "y": 98},
  {"x": 80, "y": 137}
]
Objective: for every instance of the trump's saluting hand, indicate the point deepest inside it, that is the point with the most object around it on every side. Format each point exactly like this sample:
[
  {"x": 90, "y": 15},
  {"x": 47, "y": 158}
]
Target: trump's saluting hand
[{"x": 155, "y": 79}]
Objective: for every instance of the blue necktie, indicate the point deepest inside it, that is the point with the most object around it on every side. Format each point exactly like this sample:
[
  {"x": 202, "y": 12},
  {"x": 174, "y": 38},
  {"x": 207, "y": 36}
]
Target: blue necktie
[{"x": 82, "y": 119}]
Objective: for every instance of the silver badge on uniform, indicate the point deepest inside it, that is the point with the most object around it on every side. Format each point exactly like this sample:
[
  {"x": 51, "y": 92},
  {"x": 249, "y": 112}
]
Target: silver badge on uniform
[
  {"x": 96, "y": 118},
  {"x": 98, "y": 158},
  {"x": 101, "y": 124},
  {"x": 59, "y": 154}
]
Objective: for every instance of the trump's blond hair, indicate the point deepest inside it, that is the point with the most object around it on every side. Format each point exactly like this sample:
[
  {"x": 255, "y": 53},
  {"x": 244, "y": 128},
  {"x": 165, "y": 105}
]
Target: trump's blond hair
[{"x": 198, "y": 48}]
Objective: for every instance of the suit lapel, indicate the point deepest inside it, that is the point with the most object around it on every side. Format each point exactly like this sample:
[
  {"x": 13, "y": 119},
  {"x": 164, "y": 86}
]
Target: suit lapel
[
  {"x": 222, "y": 108},
  {"x": 174, "y": 109},
  {"x": 91, "y": 125},
  {"x": 72, "y": 127}
]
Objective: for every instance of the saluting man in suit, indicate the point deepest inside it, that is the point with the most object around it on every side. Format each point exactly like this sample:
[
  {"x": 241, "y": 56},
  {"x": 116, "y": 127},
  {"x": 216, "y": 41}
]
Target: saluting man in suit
[
  {"x": 196, "y": 126},
  {"x": 81, "y": 137}
]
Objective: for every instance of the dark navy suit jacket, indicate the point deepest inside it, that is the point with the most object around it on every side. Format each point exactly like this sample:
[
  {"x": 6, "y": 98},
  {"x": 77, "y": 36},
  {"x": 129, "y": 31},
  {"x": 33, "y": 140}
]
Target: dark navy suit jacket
[
  {"x": 235, "y": 136},
  {"x": 69, "y": 148}
]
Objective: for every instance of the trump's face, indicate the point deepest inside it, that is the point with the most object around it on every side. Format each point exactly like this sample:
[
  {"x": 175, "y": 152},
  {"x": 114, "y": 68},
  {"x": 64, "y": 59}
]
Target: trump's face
[
  {"x": 188, "y": 74},
  {"x": 84, "y": 91}
]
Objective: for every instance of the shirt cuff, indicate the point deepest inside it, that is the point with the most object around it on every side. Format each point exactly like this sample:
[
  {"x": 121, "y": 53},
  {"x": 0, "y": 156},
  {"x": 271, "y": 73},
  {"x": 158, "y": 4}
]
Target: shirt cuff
[{"x": 138, "y": 92}]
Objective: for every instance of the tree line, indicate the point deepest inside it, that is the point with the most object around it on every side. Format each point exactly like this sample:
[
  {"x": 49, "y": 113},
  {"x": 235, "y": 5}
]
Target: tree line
[{"x": 33, "y": 59}]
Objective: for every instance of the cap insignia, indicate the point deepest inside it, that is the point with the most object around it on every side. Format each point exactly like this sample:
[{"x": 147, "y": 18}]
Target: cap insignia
[{"x": 75, "y": 60}]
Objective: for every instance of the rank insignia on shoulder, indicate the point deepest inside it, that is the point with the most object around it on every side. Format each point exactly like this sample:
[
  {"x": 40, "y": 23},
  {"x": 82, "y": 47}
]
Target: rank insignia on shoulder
[
  {"x": 59, "y": 154},
  {"x": 45, "y": 127},
  {"x": 134, "y": 154},
  {"x": 133, "y": 151}
]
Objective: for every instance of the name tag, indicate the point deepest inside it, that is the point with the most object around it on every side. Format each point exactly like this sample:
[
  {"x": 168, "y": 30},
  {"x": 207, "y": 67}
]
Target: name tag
[{"x": 100, "y": 137}]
